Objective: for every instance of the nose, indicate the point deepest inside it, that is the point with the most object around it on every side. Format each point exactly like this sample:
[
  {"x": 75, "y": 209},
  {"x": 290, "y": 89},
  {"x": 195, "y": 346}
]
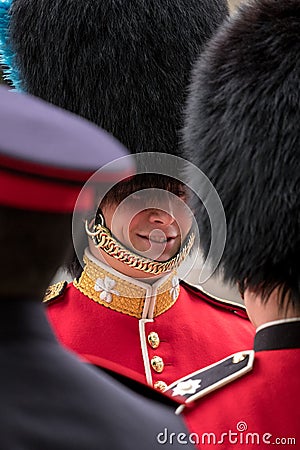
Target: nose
[{"x": 160, "y": 217}]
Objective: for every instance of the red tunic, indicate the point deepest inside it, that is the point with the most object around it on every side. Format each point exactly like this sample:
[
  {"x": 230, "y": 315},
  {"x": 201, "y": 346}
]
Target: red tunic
[
  {"x": 262, "y": 407},
  {"x": 192, "y": 329}
]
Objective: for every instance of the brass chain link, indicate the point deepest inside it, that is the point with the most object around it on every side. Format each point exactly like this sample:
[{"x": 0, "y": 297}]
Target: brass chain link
[{"x": 103, "y": 239}]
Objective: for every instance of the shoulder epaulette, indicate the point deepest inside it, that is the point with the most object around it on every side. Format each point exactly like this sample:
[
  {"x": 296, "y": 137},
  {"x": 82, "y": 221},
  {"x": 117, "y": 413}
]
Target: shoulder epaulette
[
  {"x": 200, "y": 383},
  {"x": 54, "y": 291},
  {"x": 229, "y": 305}
]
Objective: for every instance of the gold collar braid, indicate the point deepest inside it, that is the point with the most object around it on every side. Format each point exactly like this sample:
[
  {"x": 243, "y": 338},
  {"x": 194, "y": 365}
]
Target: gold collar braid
[
  {"x": 103, "y": 239},
  {"x": 120, "y": 294}
]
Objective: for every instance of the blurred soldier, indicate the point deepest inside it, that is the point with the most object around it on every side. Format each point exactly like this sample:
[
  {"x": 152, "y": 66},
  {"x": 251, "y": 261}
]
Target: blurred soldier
[
  {"x": 49, "y": 400},
  {"x": 125, "y": 66},
  {"x": 242, "y": 130}
]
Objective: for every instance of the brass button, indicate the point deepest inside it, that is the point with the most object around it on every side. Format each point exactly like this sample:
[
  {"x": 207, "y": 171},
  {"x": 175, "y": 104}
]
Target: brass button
[
  {"x": 153, "y": 339},
  {"x": 157, "y": 364},
  {"x": 160, "y": 386}
]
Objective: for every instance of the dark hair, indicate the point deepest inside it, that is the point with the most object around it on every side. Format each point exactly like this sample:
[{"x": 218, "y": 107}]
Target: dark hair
[
  {"x": 124, "y": 65},
  {"x": 242, "y": 131},
  {"x": 33, "y": 246},
  {"x": 142, "y": 181}
]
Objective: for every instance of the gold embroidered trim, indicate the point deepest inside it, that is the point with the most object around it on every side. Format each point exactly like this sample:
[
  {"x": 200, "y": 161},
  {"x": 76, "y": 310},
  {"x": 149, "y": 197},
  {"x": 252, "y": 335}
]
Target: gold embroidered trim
[
  {"x": 121, "y": 295},
  {"x": 54, "y": 291}
]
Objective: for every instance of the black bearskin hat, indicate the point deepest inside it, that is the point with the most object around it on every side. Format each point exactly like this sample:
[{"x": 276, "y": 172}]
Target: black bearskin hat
[
  {"x": 242, "y": 130},
  {"x": 122, "y": 64}
]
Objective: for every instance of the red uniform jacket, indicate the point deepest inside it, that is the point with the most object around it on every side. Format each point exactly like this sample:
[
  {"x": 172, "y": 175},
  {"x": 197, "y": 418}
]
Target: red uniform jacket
[
  {"x": 154, "y": 334},
  {"x": 259, "y": 409}
]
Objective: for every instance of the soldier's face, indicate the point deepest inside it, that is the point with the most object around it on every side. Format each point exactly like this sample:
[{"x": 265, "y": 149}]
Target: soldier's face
[{"x": 153, "y": 223}]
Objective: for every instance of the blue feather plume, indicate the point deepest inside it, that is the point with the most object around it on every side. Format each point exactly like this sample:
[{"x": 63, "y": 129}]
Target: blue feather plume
[{"x": 7, "y": 56}]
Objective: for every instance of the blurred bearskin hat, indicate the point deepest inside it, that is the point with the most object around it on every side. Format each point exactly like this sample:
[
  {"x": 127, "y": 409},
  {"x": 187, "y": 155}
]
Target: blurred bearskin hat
[
  {"x": 242, "y": 130},
  {"x": 122, "y": 64}
]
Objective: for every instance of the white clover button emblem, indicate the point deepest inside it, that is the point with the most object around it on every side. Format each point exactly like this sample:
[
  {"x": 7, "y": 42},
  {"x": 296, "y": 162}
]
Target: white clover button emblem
[
  {"x": 174, "y": 291},
  {"x": 105, "y": 287},
  {"x": 186, "y": 387}
]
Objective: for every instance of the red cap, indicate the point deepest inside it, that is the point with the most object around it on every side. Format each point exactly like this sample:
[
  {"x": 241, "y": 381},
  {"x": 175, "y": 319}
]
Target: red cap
[{"x": 47, "y": 154}]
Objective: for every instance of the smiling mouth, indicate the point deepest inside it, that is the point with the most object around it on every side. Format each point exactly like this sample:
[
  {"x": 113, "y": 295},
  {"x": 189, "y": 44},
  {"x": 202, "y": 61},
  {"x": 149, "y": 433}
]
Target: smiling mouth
[{"x": 158, "y": 239}]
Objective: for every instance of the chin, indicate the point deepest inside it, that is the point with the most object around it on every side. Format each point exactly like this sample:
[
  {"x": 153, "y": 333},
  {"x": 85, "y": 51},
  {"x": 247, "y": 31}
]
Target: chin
[{"x": 164, "y": 258}]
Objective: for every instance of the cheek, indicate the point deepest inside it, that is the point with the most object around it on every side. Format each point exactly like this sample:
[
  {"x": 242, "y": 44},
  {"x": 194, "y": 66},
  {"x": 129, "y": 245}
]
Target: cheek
[
  {"x": 184, "y": 222},
  {"x": 117, "y": 219},
  {"x": 133, "y": 221},
  {"x": 125, "y": 224}
]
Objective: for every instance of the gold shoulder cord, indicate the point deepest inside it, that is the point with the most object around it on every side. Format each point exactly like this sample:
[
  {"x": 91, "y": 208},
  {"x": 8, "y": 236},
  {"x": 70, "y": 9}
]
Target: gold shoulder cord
[{"x": 103, "y": 239}]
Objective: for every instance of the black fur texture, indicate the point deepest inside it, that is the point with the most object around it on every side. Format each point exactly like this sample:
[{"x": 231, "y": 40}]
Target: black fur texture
[
  {"x": 123, "y": 64},
  {"x": 242, "y": 130}
]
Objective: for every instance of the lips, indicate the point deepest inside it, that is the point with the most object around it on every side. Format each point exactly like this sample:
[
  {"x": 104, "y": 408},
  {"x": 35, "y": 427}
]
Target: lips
[
  {"x": 157, "y": 246},
  {"x": 158, "y": 239}
]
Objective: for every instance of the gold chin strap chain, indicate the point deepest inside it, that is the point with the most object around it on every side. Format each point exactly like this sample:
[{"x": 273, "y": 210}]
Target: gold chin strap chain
[{"x": 103, "y": 239}]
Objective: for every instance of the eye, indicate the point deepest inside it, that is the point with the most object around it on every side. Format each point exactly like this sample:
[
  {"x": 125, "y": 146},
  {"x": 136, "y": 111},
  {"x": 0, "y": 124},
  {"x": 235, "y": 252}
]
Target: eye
[{"x": 181, "y": 193}]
